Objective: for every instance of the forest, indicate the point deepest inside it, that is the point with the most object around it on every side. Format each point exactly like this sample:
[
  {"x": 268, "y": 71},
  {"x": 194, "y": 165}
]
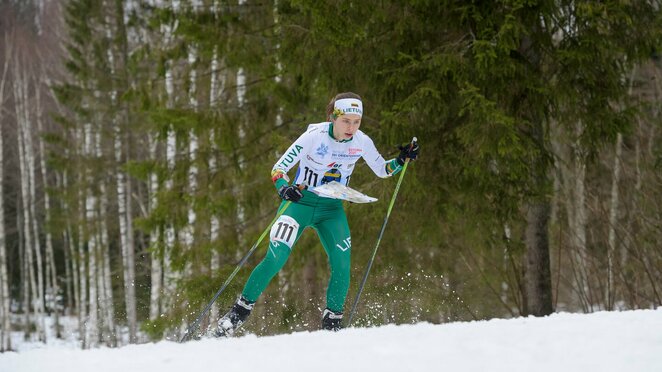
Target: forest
[{"x": 137, "y": 139}]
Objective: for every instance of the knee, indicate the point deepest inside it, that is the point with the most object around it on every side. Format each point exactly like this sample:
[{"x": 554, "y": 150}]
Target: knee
[{"x": 275, "y": 258}]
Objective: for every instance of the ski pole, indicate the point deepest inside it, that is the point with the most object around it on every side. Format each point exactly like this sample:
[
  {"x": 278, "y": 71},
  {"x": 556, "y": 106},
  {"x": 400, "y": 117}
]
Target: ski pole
[
  {"x": 379, "y": 239},
  {"x": 194, "y": 326}
]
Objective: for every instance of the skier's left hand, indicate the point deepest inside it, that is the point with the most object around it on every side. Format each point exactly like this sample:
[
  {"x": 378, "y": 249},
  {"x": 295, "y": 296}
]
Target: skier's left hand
[{"x": 408, "y": 151}]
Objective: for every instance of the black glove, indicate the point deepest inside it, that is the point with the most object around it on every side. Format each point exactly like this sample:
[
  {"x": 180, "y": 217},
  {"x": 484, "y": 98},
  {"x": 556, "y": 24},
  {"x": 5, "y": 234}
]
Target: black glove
[
  {"x": 409, "y": 150},
  {"x": 290, "y": 193}
]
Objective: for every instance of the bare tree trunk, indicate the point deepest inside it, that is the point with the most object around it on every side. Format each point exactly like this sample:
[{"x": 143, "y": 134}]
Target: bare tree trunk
[
  {"x": 32, "y": 175},
  {"x": 82, "y": 255},
  {"x": 170, "y": 275},
  {"x": 214, "y": 93},
  {"x": 122, "y": 182},
  {"x": 539, "y": 284},
  {"x": 106, "y": 305},
  {"x": 614, "y": 206},
  {"x": 5, "y": 330},
  {"x": 154, "y": 239},
  {"x": 131, "y": 265},
  {"x": 20, "y": 97},
  {"x": 570, "y": 181},
  {"x": 126, "y": 240},
  {"x": 70, "y": 271},
  {"x": 53, "y": 287},
  {"x": 241, "y": 94},
  {"x": 578, "y": 210},
  {"x": 187, "y": 233},
  {"x": 126, "y": 249},
  {"x": 613, "y": 220},
  {"x": 73, "y": 256},
  {"x": 82, "y": 286},
  {"x": 92, "y": 332},
  {"x": 25, "y": 271},
  {"x": 538, "y": 273}
]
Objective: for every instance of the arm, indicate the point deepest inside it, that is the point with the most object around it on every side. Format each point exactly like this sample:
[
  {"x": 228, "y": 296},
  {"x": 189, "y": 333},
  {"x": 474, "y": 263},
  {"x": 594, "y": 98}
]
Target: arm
[
  {"x": 384, "y": 168},
  {"x": 376, "y": 162},
  {"x": 288, "y": 160}
]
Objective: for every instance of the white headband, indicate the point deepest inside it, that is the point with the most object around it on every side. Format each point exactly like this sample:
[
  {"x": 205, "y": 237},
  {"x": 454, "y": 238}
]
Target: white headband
[{"x": 348, "y": 106}]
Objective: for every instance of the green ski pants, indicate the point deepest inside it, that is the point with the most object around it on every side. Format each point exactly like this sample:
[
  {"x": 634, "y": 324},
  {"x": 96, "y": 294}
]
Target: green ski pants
[{"x": 328, "y": 218}]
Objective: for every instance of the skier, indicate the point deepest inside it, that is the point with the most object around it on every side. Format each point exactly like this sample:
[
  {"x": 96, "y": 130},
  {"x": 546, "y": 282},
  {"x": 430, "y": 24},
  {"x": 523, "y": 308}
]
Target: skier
[{"x": 326, "y": 152}]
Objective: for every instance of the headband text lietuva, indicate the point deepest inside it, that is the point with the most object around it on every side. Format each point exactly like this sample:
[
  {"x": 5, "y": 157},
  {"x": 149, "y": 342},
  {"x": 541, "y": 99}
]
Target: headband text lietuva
[{"x": 348, "y": 106}]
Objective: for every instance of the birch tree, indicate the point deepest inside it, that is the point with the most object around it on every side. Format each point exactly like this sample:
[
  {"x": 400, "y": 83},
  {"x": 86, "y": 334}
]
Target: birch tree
[
  {"x": 187, "y": 233},
  {"x": 116, "y": 61},
  {"x": 30, "y": 231},
  {"x": 82, "y": 261},
  {"x": 171, "y": 274},
  {"x": 216, "y": 87},
  {"x": 91, "y": 205},
  {"x": 32, "y": 181},
  {"x": 53, "y": 288},
  {"x": 156, "y": 257},
  {"x": 5, "y": 296}
]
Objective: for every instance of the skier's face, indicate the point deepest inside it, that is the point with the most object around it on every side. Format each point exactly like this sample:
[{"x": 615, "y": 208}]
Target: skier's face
[{"x": 345, "y": 126}]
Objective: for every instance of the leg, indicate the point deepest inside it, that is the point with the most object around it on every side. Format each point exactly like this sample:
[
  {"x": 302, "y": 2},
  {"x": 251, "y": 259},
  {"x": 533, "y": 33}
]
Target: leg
[
  {"x": 335, "y": 237},
  {"x": 284, "y": 234}
]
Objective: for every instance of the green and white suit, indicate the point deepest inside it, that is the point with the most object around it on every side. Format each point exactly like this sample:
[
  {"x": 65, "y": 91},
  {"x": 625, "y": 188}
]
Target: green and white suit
[{"x": 321, "y": 159}]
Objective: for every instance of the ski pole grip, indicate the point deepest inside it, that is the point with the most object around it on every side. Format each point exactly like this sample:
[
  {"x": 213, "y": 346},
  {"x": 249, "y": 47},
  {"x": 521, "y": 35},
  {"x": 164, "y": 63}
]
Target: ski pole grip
[{"x": 411, "y": 145}]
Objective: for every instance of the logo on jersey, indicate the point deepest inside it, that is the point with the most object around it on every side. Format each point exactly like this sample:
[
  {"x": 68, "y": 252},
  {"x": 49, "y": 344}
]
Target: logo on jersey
[
  {"x": 322, "y": 150},
  {"x": 346, "y": 244},
  {"x": 342, "y": 155},
  {"x": 354, "y": 151},
  {"x": 291, "y": 156},
  {"x": 334, "y": 165},
  {"x": 331, "y": 175}
]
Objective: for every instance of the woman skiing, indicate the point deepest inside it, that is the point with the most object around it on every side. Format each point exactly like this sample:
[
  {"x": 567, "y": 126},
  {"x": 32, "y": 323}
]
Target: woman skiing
[{"x": 326, "y": 152}]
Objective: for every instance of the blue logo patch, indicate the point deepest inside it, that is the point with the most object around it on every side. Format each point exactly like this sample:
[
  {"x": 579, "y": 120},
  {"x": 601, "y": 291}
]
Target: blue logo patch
[
  {"x": 331, "y": 175},
  {"x": 322, "y": 150}
]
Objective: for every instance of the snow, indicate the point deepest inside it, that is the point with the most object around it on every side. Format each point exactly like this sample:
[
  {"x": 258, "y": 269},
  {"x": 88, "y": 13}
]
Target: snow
[{"x": 603, "y": 341}]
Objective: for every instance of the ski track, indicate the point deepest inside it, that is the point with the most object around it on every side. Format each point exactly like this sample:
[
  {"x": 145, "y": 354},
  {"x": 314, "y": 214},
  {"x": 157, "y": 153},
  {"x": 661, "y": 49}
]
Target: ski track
[{"x": 603, "y": 341}]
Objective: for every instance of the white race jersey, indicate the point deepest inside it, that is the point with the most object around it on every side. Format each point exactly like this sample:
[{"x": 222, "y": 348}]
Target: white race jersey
[{"x": 323, "y": 159}]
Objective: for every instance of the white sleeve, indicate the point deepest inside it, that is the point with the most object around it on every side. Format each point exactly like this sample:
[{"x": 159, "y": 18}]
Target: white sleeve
[
  {"x": 374, "y": 159},
  {"x": 293, "y": 154}
]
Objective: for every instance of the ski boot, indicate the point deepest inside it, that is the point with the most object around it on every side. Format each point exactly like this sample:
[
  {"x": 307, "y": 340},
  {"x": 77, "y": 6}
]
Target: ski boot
[
  {"x": 234, "y": 318},
  {"x": 331, "y": 320}
]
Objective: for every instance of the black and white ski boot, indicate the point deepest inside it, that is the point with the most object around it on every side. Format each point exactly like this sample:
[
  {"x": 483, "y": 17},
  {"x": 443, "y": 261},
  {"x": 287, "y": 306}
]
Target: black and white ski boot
[
  {"x": 234, "y": 318},
  {"x": 331, "y": 320}
]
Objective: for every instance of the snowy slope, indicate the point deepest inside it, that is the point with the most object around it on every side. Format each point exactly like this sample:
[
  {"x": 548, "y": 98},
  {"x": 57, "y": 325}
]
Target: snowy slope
[{"x": 605, "y": 341}]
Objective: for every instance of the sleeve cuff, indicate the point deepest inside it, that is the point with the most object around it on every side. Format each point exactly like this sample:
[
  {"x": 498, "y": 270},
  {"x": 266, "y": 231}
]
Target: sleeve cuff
[
  {"x": 280, "y": 183},
  {"x": 393, "y": 167}
]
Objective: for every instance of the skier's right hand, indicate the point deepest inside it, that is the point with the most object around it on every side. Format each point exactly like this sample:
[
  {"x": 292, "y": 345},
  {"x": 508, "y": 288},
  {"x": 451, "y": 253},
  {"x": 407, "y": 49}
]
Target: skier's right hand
[{"x": 290, "y": 193}]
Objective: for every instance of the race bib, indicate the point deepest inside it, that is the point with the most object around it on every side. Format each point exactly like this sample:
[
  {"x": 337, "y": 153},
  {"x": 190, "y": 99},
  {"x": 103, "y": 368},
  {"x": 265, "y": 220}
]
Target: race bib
[{"x": 284, "y": 230}]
